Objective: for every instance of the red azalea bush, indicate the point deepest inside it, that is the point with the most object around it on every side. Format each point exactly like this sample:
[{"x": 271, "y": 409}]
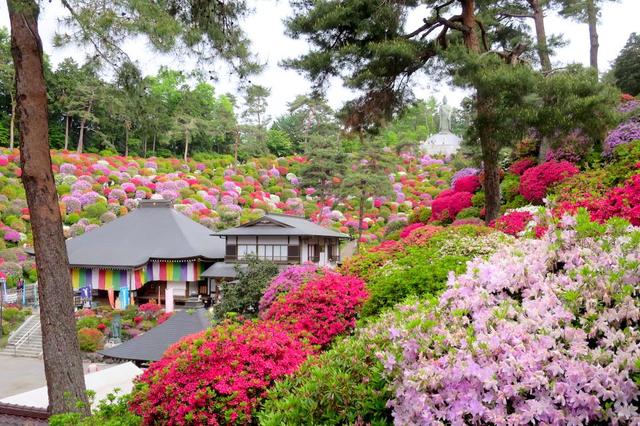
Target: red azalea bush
[
  {"x": 389, "y": 246},
  {"x": 90, "y": 339},
  {"x": 149, "y": 307},
  {"x": 622, "y": 202},
  {"x": 512, "y": 223},
  {"x": 409, "y": 229},
  {"x": 467, "y": 184},
  {"x": 164, "y": 316},
  {"x": 520, "y": 166},
  {"x": 536, "y": 180},
  {"x": 322, "y": 308},
  {"x": 448, "y": 207},
  {"x": 217, "y": 376},
  {"x": 420, "y": 236}
]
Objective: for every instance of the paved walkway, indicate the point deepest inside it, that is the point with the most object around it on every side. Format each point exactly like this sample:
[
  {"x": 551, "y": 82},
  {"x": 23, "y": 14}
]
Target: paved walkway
[{"x": 24, "y": 374}]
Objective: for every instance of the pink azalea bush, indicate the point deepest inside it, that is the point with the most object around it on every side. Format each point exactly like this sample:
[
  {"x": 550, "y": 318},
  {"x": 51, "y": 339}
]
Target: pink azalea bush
[
  {"x": 520, "y": 166},
  {"x": 467, "y": 184},
  {"x": 543, "y": 332},
  {"x": 288, "y": 280},
  {"x": 536, "y": 180},
  {"x": 448, "y": 206},
  {"x": 217, "y": 376},
  {"x": 513, "y": 223},
  {"x": 321, "y": 309}
]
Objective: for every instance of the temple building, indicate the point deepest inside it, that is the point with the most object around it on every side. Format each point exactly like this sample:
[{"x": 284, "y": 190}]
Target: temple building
[
  {"x": 282, "y": 239},
  {"x": 144, "y": 253}
]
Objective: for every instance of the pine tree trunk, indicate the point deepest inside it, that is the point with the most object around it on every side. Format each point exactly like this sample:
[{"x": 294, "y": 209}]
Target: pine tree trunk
[
  {"x": 144, "y": 147},
  {"x": 12, "y": 125},
  {"x": 154, "y": 143},
  {"x": 126, "y": 140},
  {"x": 66, "y": 132},
  {"x": 490, "y": 150},
  {"x": 187, "y": 136},
  {"x": 360, "y": 220},
  {"x": 470, "y": 37},
  {"x": 83, "y": 123},
  {"x": 62, "y": 361},
  {"x": 592, "y": 20},
  {"x": 541, "y": 35}
]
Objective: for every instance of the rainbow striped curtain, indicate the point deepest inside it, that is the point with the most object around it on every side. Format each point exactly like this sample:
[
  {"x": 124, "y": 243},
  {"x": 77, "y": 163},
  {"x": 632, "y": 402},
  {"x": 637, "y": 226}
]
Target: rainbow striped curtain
[
  {"x": 101, "y": 279},
  {"x": 111, "y": 279}
]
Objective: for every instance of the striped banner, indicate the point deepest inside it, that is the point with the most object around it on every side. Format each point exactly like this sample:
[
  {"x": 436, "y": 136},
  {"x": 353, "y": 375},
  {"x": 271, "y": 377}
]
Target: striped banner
[
  {"x": 113, "y": 279},
  {"x": 101, "y": 279}
]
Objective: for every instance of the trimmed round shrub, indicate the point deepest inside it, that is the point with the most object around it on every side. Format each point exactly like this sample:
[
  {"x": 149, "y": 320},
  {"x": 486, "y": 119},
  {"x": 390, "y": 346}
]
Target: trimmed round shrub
[
  {"x": 288, "y": 280},
  {"x": 87, "y": 322},
  {"x": 448, "y": 207},
  {"x": 467, "y": 184}
]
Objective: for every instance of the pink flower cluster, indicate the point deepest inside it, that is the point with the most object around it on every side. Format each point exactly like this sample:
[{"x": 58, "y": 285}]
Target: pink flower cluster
[
  {"x": 543, "y": 332},
  {"x": 321, "y": 309},
  {"x": 513, "y": 223},
  {"x": 467, "y": 184},
  {"x": 448, "y": 206},
  {"x": 520, "y": 166},
  {"x": 288, "y": 280},
  {"x": 536, "y": 180}
]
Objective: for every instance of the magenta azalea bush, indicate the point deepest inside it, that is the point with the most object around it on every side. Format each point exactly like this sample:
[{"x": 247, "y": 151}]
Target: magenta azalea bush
[
  {"x": 543, "y": 332},
  {"x": 288, "y": 280}
]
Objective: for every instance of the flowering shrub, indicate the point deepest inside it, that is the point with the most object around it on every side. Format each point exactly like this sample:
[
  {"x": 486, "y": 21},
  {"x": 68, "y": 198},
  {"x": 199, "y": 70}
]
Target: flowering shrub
[
  {"x": 447, "y": 207},
  {"x": 321, "y": 309},
  {"x": 164, "y": 316},
  {"x": 421, "y": 235},
  {"x": 467, "y": 184},
  {"x": 407, "y": 230},
  {"x": 150, "y": 308},
  {"x": 389, "y": 246},
  {"x": 529, "y": 338},
  {"x": 572, "y": 147},
  {"x": 217, "y": 376},
  {"x": 288, "y": 280},
  {"x": 520, "y": 166},
  {"x": 468, "y": 171},
  {"x": 90, "y": 339},
  {"x": 623, "y": 134},
  {"x": 513, "y": 223},
  {"x": 536, "y": 180}
]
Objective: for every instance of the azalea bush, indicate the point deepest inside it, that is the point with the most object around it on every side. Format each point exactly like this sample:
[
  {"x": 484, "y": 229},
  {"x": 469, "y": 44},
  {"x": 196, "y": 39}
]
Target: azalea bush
[
  {"x": 321, "y": 309},
  {"x": 535, "y": 181},
  {"x": 625, "y": 133},
  {"x": 90, "y": 339},
  {"x": 448, "y": 205},
  {"x": 217, "y": 376},
  {"x": 513, "y": 223},
  {"x": 289, "y": 279},
  {"x": 544, "y": 332}
]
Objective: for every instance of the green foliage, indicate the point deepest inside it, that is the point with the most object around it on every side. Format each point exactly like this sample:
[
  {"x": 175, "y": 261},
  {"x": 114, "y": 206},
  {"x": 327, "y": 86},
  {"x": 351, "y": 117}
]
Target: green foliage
[
  {"x": 423, "y": 270},
  {"x": 279, "y": 143},
  {"x": 468, "y": 212},
  {"x": 111, "y": 411},
  {"x": 509, "y": 187},
  {"x": 343, "y": 386},
  {"x": 90, "y": 339},
  {"x": 94, "y": 211},
  {"x": 243, "y": 296},
  {"x": 478, "y": 199},
  {"x": 626, "y": 67},
  {"x": 422, "y": 215},
  {"x": 87, "y": 322}
]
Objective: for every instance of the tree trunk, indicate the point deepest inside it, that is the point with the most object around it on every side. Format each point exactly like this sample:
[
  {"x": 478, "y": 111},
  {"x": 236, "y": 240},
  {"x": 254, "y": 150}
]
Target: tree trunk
[
  {"x": 126, "y": 140},
  {"x": 470, "y": 36},
  {"x": 592, "y": 20},
  {"x": 62, "y": 361},
  {"x": 154, "y": 143},
  {"x": 83, "y": 123},
  {"x": 12, "y": 125},
  {"x": 66, "y": 132},
  {"x": 235, "y": 148},
  {"x": 187, "y": 136},
  {"x": 144, "y": 147},
  {"x": 541, "y": 35},
  {"x": 490, "y": 150},
  {"x": 360, "y": 219}
]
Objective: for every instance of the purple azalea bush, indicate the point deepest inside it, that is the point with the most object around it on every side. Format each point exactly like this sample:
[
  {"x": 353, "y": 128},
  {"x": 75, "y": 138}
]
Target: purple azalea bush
[
  {"x": 467, "y": 171},
  {"x": 543, "y": 332},
  {"x": 623, "y": 134}
]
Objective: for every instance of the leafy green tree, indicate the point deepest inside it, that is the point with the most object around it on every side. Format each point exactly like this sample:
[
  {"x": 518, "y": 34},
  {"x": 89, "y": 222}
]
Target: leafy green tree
[
  {"x": 243, "y": 296},
  {"x": 626, "y": 67},
  {"x": 278, "y": 143},
  {"x": 588, "y": 12},
  {"x": 255, "y": 120},
  {"x": 7, "y": 76}
]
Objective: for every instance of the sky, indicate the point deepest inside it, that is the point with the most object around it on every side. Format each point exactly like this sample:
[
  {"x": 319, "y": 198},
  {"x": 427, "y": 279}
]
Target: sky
[{"x": 266, "y": 31}]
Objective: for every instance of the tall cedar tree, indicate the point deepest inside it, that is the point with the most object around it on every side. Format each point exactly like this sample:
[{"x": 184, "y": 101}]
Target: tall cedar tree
[
  {"x": 626, "y": 67},
  {"x": 586, "y": 11},
  {"x": 325, "y": 167},
  {"x": 61, "y": 353},
  {"x": 210, "y": 29}
]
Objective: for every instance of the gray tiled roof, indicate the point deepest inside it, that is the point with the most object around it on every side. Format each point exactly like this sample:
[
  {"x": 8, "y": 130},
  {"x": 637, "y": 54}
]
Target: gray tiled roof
[
  {"x": 151, "y": 345},
  {"x": 152, "y": 231},
  {"x": 280, "y": 224},
  {"x": 222, "y": 270}
]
